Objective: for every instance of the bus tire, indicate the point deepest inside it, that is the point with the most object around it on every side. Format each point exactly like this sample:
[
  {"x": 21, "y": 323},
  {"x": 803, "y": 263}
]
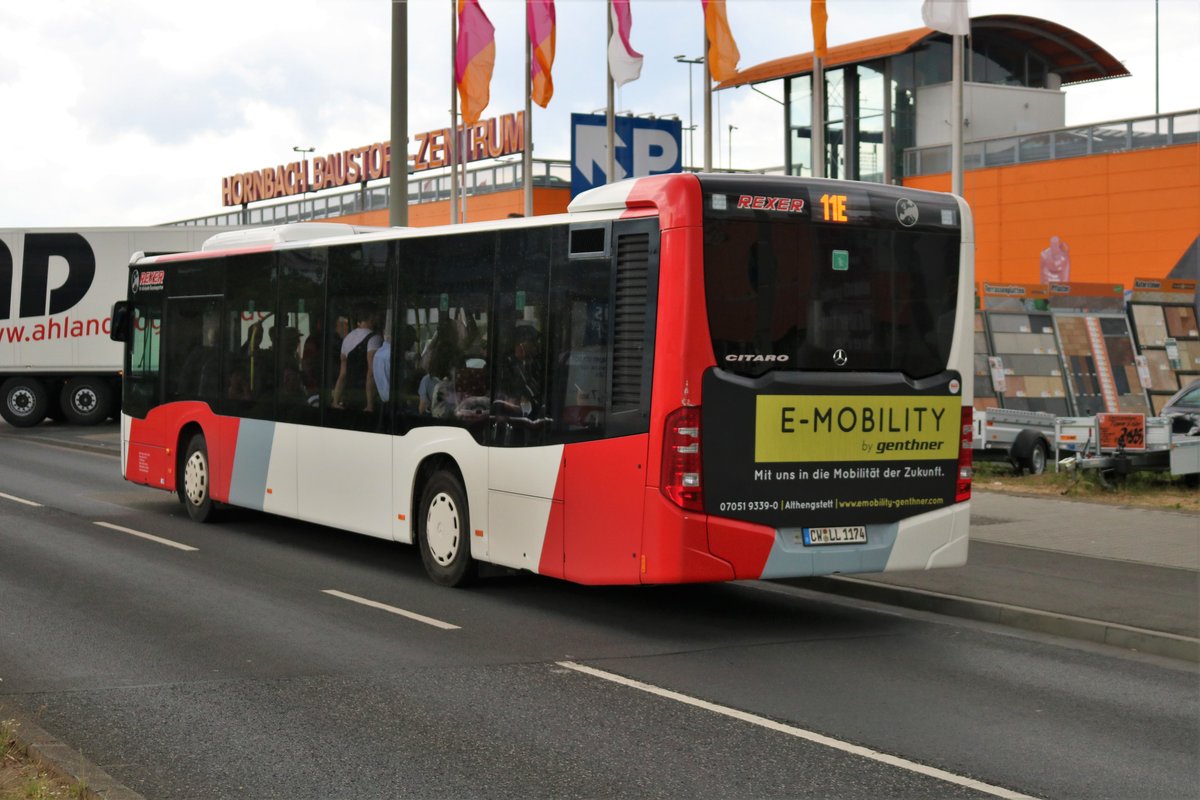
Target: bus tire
[
  {"x": 86, "y": 401},
  {"x": 195, "y": 483},
  {"x": 444, "y": 531},
  {"x": 1029, "y": 452},
  {"x": 23, "y": 401}
]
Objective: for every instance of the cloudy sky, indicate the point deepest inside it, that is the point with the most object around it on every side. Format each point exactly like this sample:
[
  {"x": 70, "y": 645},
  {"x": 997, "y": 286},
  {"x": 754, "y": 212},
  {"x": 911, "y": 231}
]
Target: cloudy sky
[{"x": 129, "y": 112}]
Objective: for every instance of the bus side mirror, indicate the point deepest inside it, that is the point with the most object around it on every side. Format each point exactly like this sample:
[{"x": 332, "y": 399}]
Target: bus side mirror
[{"x": 119, "y": 329}]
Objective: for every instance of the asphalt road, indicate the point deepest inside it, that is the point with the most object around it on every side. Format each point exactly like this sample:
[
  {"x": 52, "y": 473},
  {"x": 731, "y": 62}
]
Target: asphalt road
[{"x": 248, "y": 667}]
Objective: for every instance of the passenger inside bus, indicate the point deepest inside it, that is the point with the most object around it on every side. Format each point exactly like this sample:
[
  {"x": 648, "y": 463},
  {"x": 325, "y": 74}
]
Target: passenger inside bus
[
  {"x": 355, "y": 387},
  {"x": 436, "y": 391},
  {"x": 519, "y": 384}
]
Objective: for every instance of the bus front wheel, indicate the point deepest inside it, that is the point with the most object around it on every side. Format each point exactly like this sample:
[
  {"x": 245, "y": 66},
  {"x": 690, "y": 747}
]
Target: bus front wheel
[
  {"x": 195, "y": 484},
  {"x": 445, "y": 529}
]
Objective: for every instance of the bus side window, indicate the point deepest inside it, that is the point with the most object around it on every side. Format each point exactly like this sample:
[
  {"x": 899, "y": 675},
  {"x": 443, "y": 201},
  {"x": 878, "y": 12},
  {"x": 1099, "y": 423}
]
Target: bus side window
[
  {"x": 252, "y": 332},
  {"x": 581, "y": 342},
  {"x": 521, "y": 413},
  {"x": 301, "y": 308},
  {"x": 359, "y": 298}
]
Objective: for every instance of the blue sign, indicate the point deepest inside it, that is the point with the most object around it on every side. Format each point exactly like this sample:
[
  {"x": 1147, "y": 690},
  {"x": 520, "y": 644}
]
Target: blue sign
[{"x": 642, "y": 147}]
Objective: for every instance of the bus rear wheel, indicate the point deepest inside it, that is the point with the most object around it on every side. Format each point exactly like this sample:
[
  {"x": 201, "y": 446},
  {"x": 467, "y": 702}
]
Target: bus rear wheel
[
  {"x": 444, "y": 531},
  {"x": 23, "y": 401},
  {"x": 195, "y": 481}
]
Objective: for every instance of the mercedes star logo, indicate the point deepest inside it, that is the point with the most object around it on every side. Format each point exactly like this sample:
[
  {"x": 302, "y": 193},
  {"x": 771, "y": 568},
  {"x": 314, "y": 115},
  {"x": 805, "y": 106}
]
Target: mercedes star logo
[{"x": 839, "y": 357}]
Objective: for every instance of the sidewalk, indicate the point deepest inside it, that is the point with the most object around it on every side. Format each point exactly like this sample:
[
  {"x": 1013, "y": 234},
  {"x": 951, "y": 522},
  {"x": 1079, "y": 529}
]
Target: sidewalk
[{"x": 1123, "y": 576}]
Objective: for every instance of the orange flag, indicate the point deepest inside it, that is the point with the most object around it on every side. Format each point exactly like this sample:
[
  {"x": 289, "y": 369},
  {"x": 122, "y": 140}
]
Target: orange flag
[
  {"x": 819, "y": 18},
  {"x": 723, "y": 55}
]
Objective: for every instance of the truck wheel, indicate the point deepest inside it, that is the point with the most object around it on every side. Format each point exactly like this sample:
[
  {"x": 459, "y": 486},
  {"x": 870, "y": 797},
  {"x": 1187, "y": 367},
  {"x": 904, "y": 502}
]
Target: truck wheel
[
  {"x": 1029, "y": 452},
  {"x": 195, "y": 486},
  {"x": 86, "y": 401},
  {"x": 24, "y": 402},
  {"x": 444, "y": 529}
]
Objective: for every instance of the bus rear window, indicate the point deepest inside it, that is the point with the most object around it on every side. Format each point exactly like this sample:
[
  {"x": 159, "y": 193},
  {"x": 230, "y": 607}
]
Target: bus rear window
[{"x": 798, "y": 296}]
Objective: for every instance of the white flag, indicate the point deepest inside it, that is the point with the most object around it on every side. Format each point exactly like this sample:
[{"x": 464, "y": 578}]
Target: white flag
[
  {"x": 947, "y": 16},
  {"x": 624, "y": 63}
]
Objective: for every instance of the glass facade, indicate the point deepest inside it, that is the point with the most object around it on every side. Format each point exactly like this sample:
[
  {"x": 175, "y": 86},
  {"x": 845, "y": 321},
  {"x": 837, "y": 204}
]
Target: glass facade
[{"x": 870, "y": 108}]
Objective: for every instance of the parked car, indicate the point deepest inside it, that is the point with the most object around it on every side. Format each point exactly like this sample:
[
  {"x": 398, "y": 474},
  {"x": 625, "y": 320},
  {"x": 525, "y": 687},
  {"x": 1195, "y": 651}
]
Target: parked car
[{"x": 1184, "y": 409}]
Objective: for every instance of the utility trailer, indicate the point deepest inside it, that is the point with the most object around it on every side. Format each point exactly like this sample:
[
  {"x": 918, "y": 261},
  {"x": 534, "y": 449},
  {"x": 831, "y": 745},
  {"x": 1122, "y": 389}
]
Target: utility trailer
[
  {"x": 1023, "y": 438},
  {"x": 1117, "y": 444}
]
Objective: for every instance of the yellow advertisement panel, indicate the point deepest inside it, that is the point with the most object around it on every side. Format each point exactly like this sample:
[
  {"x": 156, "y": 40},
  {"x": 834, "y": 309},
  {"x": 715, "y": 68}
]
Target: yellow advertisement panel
[{"x": 799, "y": 428}]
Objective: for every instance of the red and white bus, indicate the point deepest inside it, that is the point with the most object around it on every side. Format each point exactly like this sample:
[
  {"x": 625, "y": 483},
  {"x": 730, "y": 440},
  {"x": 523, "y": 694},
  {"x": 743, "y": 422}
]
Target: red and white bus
[{"x": 685, "y": 378}]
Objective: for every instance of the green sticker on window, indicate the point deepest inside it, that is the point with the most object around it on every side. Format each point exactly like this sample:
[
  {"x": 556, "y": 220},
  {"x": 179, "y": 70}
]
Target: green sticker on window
[
  {"x": 444, "y": 302},
  {"x": 520, "y": 301},
  {"x": 841, "y": 260}
]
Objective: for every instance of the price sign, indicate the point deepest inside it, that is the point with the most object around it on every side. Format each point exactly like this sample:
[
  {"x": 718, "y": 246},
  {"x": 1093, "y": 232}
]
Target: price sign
[{"x": 1117, "y": 431}]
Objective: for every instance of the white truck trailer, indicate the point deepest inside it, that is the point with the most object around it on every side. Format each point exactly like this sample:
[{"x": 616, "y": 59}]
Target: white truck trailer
[{"x": 57, "y": 289}]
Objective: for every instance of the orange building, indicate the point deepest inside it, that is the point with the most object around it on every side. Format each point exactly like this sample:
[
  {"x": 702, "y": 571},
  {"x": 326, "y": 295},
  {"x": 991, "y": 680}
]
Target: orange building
[{"x": 1099, "y": 203}]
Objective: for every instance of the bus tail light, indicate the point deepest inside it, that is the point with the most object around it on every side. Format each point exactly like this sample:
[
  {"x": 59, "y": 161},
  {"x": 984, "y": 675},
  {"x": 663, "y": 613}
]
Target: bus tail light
[
  {"x": 681, "y": 459},
  {"x": 965, "y": 471}
]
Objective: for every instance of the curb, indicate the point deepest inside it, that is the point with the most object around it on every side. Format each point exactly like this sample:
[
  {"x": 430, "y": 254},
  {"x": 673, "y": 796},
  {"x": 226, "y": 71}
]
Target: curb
[
  {"x": 1114, "y": 634},
  {"x": 64, "y": 762}
]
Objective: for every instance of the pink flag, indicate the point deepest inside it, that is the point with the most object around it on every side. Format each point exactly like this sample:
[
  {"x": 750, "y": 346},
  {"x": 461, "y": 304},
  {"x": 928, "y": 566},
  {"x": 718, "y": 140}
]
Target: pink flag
[
  {"x": 541, "y": 22},
  {"x": 624, "y": 63},
  {"x": 474, "y": 57}
]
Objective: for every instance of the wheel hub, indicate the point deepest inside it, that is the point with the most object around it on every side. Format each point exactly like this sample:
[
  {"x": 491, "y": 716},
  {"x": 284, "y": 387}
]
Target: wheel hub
[
  {"x": 195, "y": 478},
  {"x": 84, "y": 400},
  {"x": 20, "y": 401},
  {"x": 442, "y": 529}
]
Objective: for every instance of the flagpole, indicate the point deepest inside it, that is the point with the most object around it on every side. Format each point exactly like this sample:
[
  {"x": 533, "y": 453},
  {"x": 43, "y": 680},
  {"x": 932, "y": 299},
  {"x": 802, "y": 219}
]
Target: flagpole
[
  {"x": 956, "y": 117},
  {"x": 398, "y": 178},
  {"x": 527, "y": 155},
  {"x": 610, "y": 164},
  {"x": 708, "y": 148},
  {"x": 452, "y": 139},
  {"x": 818, "y": 118}
]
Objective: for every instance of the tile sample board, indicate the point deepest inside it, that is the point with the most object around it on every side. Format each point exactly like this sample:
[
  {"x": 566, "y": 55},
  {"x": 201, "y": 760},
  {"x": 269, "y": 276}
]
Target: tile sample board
[
  {"x": 1098, "y": 356},
  {"x": 1033, "y": 374}
]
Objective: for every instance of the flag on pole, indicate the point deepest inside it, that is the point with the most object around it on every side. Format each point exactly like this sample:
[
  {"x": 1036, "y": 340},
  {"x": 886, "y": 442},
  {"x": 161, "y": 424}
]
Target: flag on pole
[
  {"x": 947, "y": 16},
  {"x": 819, "y": 18},
  {"x": 723, "y": 55},
  {"x": 624, "y": 63},
  {"x": 474, "y": 57},
  {"x": 541, "y": 21}
]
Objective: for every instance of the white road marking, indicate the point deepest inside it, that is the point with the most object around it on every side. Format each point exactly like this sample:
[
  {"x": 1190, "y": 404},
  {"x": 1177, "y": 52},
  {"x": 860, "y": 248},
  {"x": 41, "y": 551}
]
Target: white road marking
[
  {"x": 437, "y": 623},
  {"x": 800, "y": 733},
  {"x": 149, "y": 537},
  {"x": 19, "y": 500}
]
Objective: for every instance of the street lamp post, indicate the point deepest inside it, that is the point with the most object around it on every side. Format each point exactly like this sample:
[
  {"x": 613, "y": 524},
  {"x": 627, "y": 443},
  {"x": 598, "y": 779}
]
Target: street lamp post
[
  {"x": 729, "y": 161},
  {"x": 691, "y": 121},
  {"x": 304, "y": 151}
]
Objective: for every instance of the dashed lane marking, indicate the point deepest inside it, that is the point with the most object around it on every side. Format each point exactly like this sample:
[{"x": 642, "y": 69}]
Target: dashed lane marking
[
  {"x": 800, "y": 733},
  {"x": 149, "y": 537},
  {"x": 437, "y": 623},
  {"x": 21, "y": 500}
]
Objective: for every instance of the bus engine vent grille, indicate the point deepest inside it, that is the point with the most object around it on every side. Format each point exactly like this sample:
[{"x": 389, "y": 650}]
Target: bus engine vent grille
[{"x": 629, "y": 321}]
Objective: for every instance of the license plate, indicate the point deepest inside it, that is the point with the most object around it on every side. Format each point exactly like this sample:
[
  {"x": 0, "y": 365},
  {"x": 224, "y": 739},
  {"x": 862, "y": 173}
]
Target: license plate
[{"x": 852, "y": 534}]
